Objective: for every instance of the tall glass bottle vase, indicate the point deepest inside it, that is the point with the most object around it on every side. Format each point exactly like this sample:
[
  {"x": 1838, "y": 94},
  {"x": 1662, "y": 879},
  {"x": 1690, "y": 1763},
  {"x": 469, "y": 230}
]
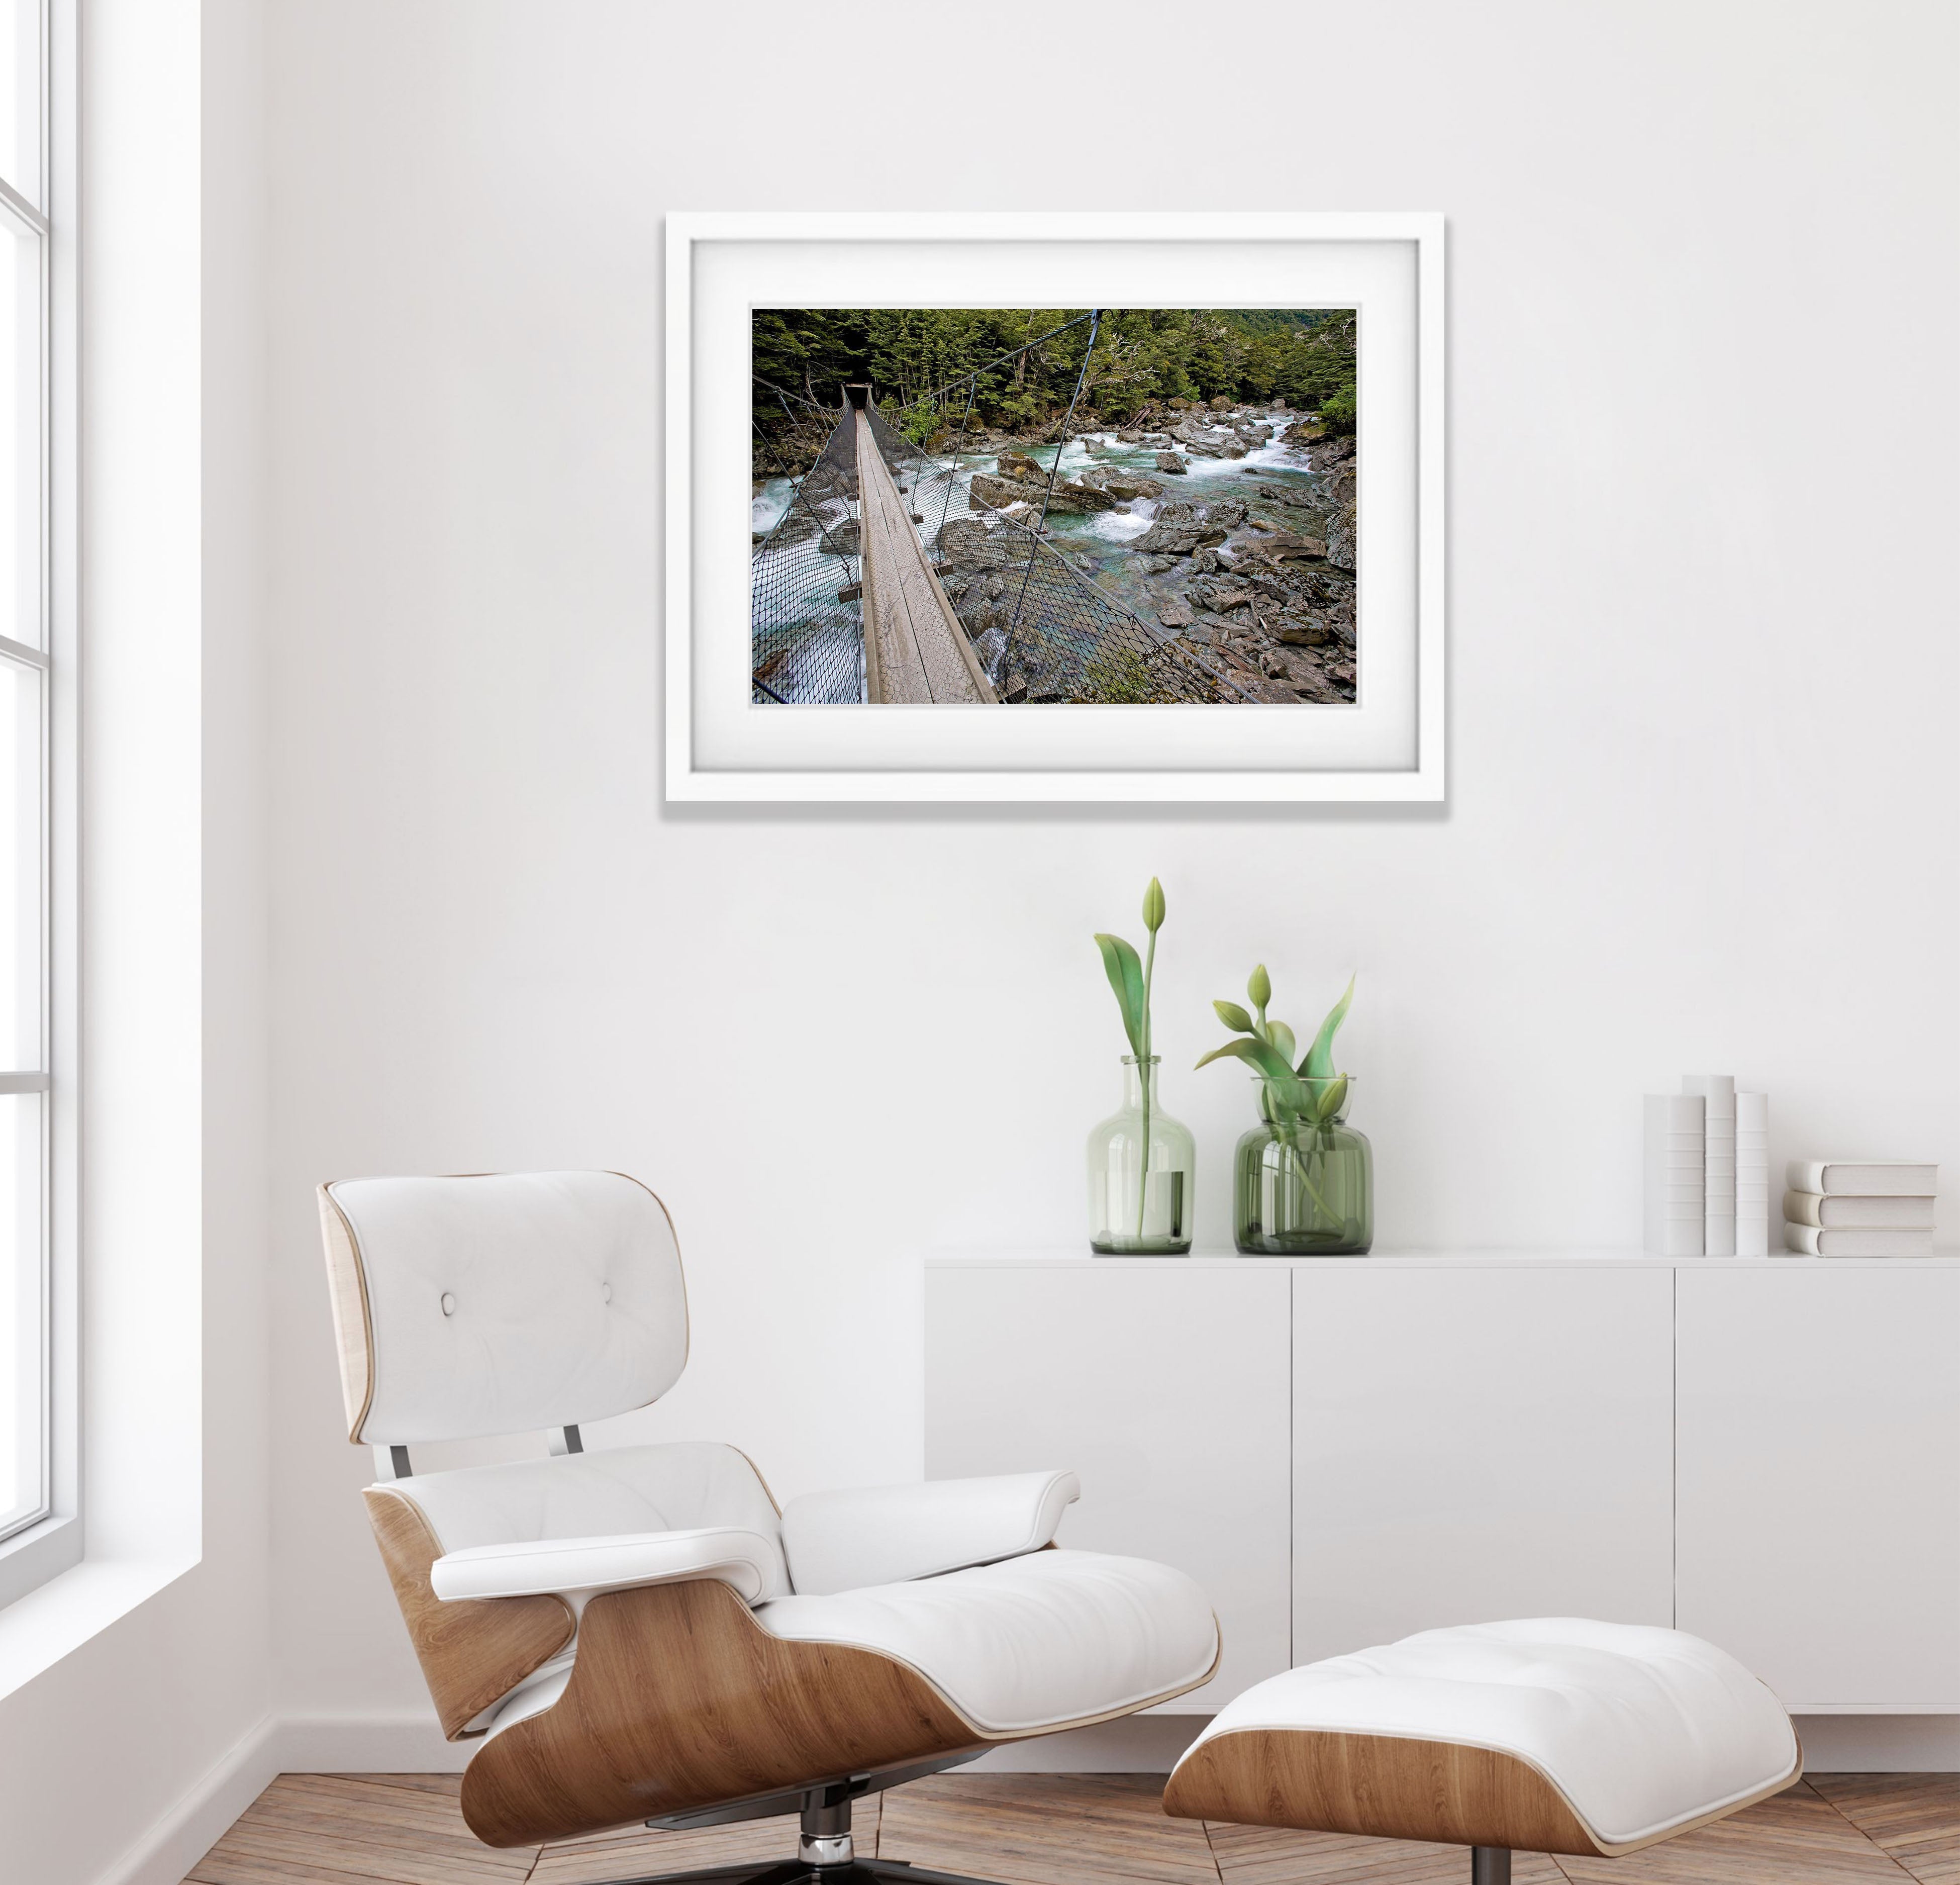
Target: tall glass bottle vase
[
  {"x": 1141, "y": 1163},
  {"x": 1303, "y": 1189}
]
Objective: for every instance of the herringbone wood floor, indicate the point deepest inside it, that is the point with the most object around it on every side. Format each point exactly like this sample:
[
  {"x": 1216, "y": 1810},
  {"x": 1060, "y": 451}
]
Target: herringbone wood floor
[{"x": 1073, "y": 1829}]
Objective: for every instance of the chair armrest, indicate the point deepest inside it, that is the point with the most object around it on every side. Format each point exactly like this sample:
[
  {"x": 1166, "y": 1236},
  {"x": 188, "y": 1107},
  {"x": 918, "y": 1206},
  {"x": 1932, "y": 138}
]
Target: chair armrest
[
  {"x": 891, "y": 1534},
  {"x": 564, "y": 1567}
]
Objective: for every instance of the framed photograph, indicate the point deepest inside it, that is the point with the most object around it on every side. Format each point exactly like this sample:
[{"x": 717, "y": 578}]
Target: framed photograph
[{"x": 1032, "y": 507}]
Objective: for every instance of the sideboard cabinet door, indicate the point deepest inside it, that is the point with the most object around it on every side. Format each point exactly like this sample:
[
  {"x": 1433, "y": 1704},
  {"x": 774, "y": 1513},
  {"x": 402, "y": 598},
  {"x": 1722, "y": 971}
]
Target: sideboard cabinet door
[
  {"x": 1819, "y": 1508},
  {"x": 1479, "y": 1442},
  {"x": 1165, "y": 1385}
]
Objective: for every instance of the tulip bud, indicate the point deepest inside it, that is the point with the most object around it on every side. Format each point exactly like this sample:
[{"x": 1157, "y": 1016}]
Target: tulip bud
[
  {"x": 1233, "y": 1016},
  {"x": 1153, "y": 907},
  {"x": 1260, "y": 988}
]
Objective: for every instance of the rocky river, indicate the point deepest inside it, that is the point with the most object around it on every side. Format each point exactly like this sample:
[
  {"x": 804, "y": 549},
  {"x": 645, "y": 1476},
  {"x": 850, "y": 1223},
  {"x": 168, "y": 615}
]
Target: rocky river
[{"x": 1231, "y": 527}]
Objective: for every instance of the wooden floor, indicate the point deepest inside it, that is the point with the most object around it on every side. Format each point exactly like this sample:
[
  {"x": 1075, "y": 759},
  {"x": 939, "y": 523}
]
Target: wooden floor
[
  {"x": 1073, "y": 1829},
  {"x": 915, "y": 651}
]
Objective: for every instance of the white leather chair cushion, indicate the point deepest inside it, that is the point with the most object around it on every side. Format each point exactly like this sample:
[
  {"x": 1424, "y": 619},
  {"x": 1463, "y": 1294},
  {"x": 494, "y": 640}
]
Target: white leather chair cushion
[
  {"x": 513, "y": 1302},
  {"x": 885, "y": 1534},
  {"x": 625, "y": 1492},
  {"x": 1039, "y": 1642},
  {"x": 545, "y": 1567},
  {"x": 1642, "y": 1729}
]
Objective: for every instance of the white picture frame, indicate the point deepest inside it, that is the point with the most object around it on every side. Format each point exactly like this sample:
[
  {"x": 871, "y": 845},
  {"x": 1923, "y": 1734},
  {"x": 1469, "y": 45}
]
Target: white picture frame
[{"x": 1389, "y": 745}]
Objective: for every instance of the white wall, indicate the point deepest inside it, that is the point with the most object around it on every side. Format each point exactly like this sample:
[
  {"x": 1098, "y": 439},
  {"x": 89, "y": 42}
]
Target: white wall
[
  {"x": 1703, "y": 669},
  {"x": 123, "y": 1761}
]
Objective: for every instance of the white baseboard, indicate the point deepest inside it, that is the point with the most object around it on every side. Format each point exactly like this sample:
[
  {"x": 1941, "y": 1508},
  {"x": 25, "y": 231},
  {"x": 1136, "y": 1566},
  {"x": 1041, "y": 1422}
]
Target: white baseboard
[
  {"x": 200, "y": 1820},
  {"x": 410, "y": 1743},
  {"x": 407, "y": 1743}
]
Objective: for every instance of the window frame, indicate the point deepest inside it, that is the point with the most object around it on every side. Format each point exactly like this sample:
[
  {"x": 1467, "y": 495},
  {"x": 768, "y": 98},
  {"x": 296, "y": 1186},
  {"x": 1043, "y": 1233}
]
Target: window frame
[{"x": 36, "y": 1549}]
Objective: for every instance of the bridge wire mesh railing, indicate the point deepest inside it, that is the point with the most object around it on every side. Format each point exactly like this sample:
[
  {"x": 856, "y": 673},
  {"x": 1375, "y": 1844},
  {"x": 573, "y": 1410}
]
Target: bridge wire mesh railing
[
  {"x": 806, "y": 633},
  {"x": 1044, "y": 632}
]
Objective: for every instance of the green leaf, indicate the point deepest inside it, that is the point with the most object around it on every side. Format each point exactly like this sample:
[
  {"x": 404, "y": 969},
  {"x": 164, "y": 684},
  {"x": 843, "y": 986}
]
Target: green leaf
[
  {"x": 1260, "y": 987},
  {"x": 1124, "y": 969},
  {"x": 1233, "y": 1016},
  {"x": 1256, "y": 1054},
  {"x": 1281, "y": 1037},
  {"x": 1284, "y": 1101},
  {"x": 1319, "y": 1064},
  {"x": 1153, "y": 907},
  {"x": 1327, "y": 1096},
  {"x": 1243, "y": 1050}
]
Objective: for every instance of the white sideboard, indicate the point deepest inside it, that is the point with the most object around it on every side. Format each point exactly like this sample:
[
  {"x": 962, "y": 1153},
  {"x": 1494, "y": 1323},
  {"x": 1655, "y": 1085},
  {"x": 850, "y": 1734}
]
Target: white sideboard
[{"x": 1341, "y": 1451}]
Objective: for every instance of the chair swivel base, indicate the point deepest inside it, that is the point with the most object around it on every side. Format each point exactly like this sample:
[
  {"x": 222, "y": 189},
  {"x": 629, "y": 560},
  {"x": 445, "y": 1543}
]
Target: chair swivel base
[{"x": 824, "y": 1853}]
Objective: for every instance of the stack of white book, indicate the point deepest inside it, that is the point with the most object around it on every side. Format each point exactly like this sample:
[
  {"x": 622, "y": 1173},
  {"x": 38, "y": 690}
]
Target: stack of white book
[
  {"x": 1676, "y": 1194},
  {"x": 1708, "y": 1170},
  {"x": 1873, "y": 1207}
]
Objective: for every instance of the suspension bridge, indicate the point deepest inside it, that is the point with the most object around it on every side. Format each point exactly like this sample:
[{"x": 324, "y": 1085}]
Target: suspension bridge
[{"x": 887, "y": 581}]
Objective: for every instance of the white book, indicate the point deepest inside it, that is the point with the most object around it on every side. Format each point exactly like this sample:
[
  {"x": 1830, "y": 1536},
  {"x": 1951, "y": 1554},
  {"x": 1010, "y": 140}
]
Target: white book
[
  {"x": 1810, "y": 1239},
  {"x": 1842, "y": 1211},
  {"x": 1719, "y": 1089},
  {"x": 1868, "y": 1178},
  {"x": 1717, "y": 1094},
  {"x": 1752, "y": 1174},
  {"x": 1673, "y": 1194}
]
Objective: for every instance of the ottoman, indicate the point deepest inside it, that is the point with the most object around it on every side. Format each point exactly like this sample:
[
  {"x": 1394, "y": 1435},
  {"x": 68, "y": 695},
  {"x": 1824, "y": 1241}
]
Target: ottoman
[{"x": 1550, "y": 1735}]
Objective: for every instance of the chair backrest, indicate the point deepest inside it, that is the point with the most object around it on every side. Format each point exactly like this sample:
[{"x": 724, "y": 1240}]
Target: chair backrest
[{"x": 500, "y": 1303}]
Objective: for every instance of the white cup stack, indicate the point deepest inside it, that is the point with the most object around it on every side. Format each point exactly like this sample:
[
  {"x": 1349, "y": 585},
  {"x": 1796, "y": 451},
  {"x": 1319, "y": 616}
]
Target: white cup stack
[
  {"x": 1718, "y": 1090},
  {"x": 1676, "y": 1184}
]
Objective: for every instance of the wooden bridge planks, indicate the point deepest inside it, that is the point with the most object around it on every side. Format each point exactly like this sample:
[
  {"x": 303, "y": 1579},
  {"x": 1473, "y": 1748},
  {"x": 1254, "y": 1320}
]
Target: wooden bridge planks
[{"x": 915, "y": 651}]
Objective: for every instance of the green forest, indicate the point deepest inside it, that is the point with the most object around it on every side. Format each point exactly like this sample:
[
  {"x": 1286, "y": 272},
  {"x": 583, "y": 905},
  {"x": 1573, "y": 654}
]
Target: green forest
[{"x": 922, "y": 363}]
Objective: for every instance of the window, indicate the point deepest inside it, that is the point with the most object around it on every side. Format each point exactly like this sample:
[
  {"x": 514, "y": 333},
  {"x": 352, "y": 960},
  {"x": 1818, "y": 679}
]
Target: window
[{"x": 29, "y": 1478}]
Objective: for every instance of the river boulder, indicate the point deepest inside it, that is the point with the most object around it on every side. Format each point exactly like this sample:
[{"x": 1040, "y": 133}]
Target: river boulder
[
  {"x": 1066, "y": 495},
  {"x": 1306, "y": 631},
  {"x": 1070, "y": 495},
  {"x": 966, "y": 543},
  {"x": 1170, "y": 461},
  {"x": 1178, "y": 539},
  {"x": 1124, "y": 484}
]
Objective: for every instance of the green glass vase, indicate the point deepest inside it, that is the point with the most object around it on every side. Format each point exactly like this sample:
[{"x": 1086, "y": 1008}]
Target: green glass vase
[
  {"x": 1302, "y": 1189},
  {"x": 1139, "y": 1205}
]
